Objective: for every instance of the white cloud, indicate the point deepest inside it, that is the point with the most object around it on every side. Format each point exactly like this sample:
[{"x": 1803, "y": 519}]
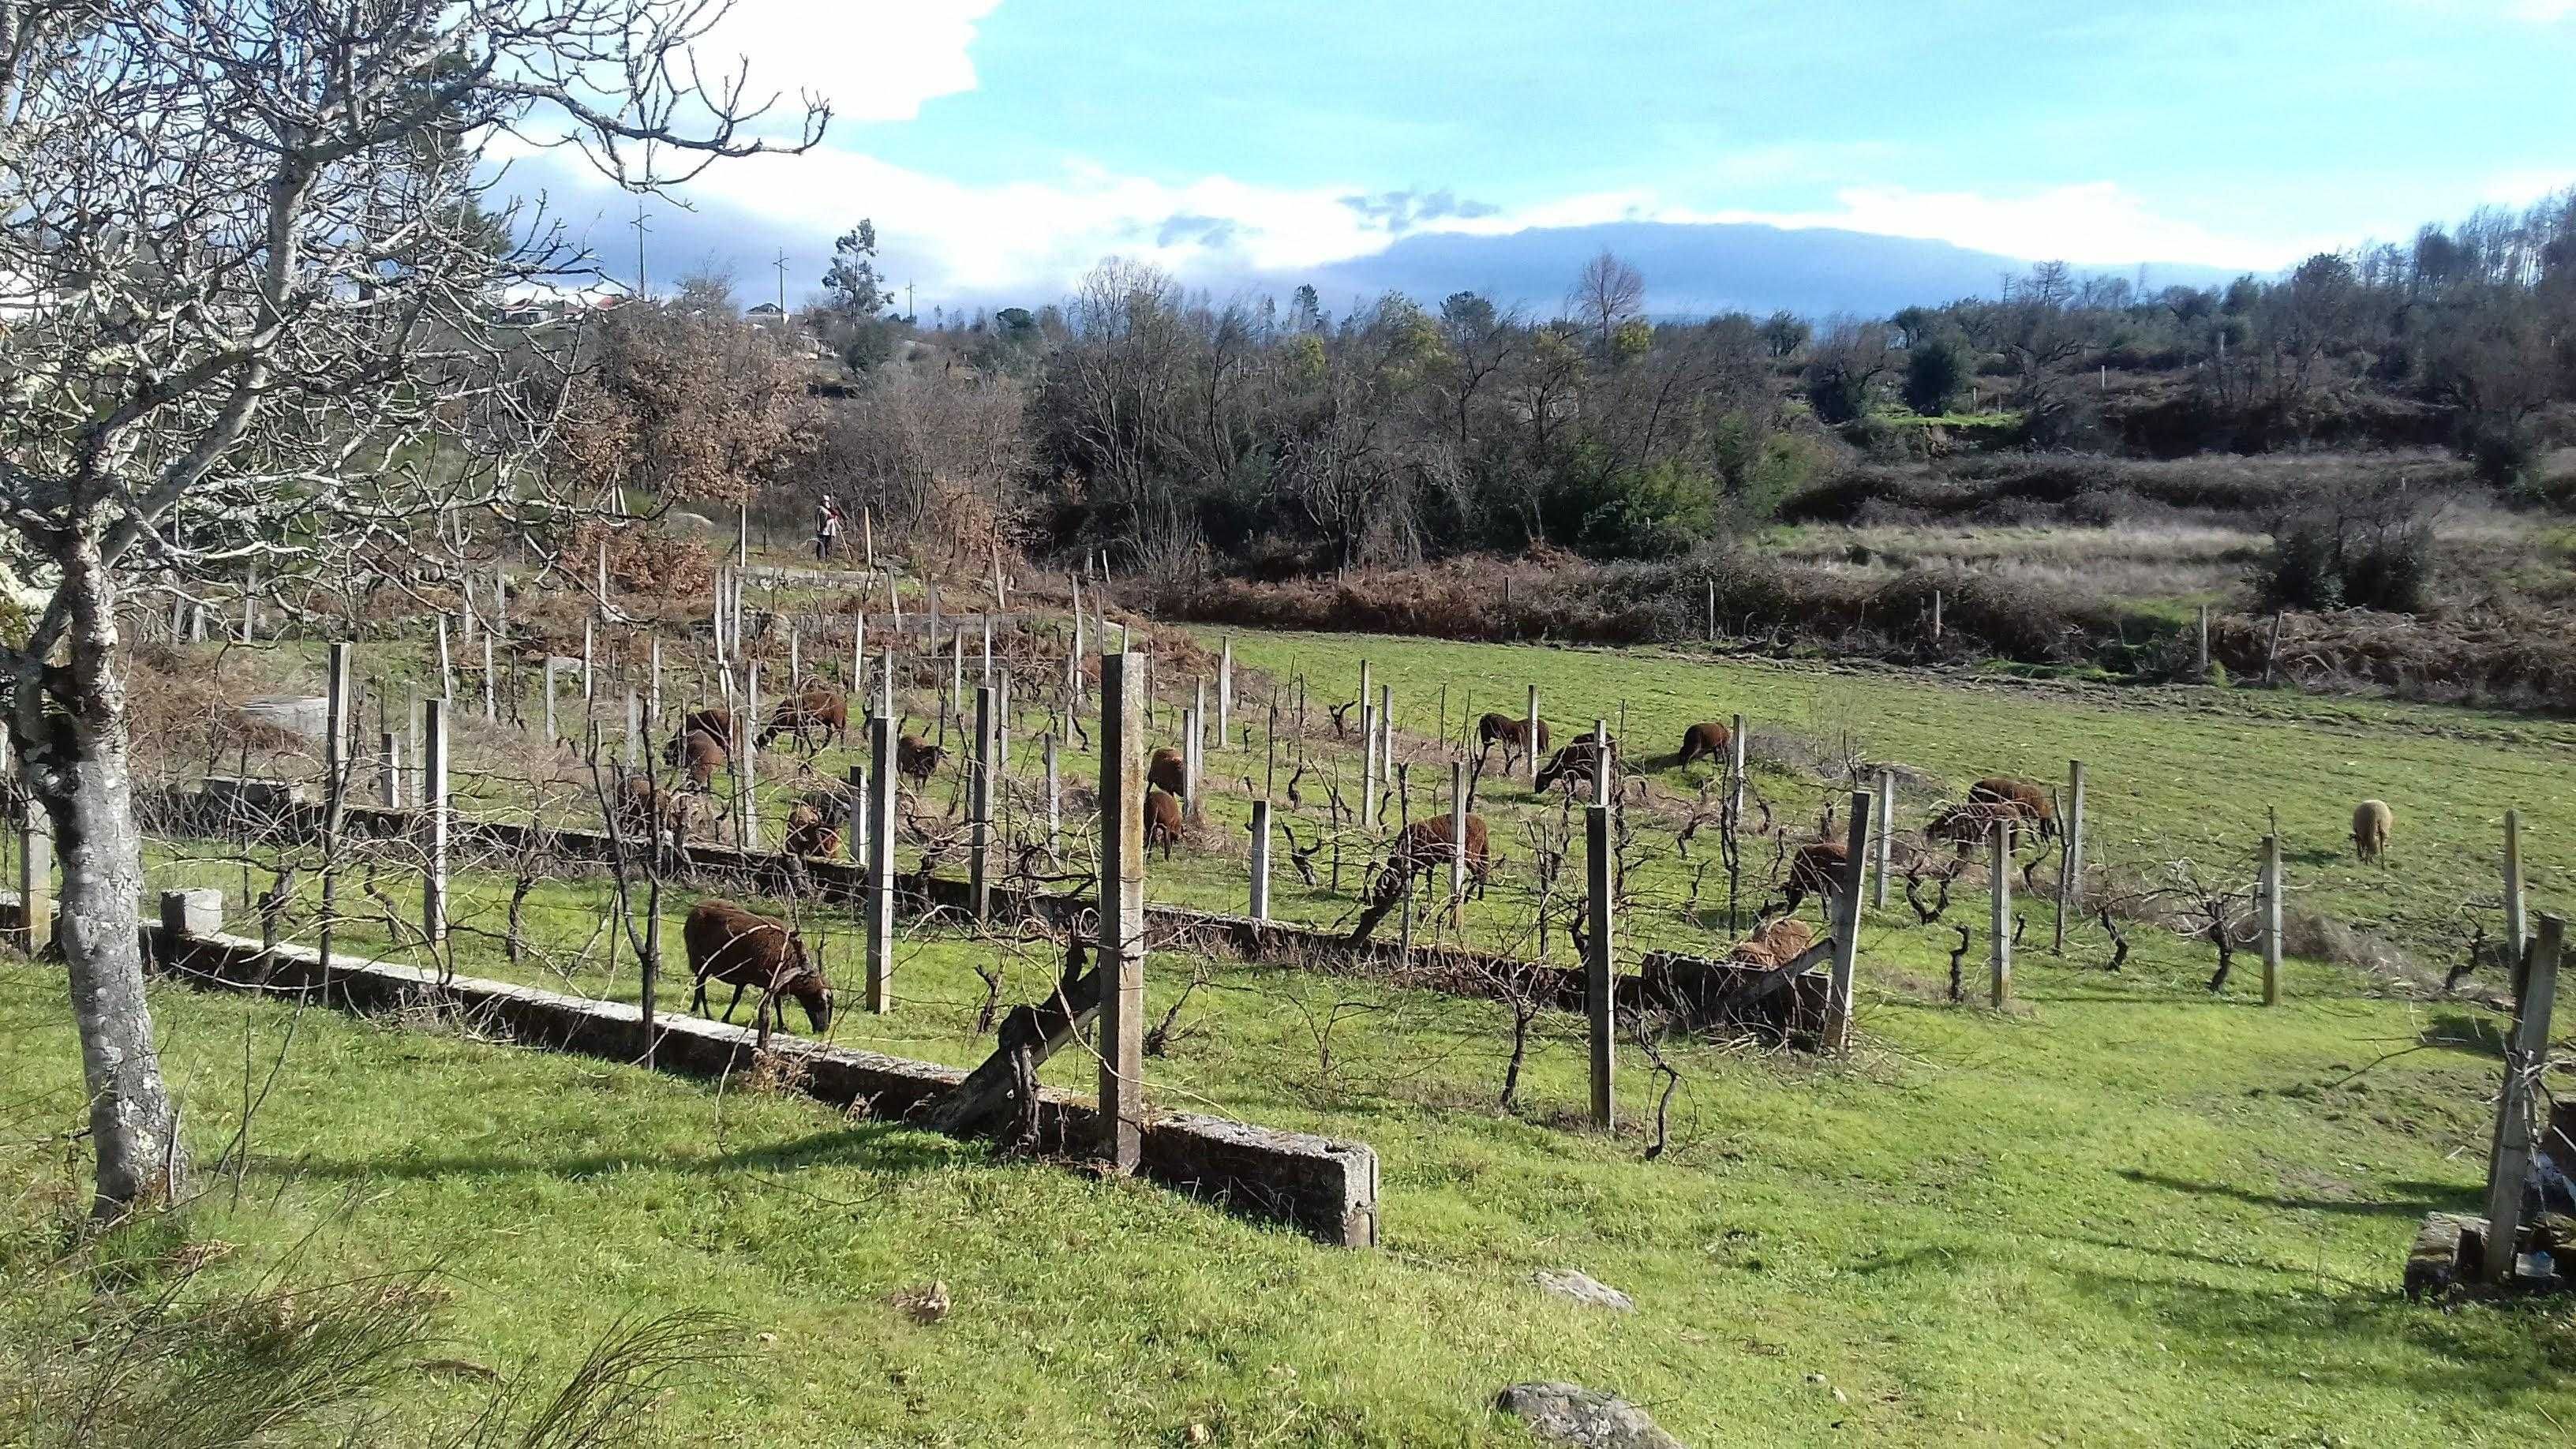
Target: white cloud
[
  {"x": 2093, "y": 223},
  {"x": 875, "y": 60},
  {"x": 2543, "y": 11}
]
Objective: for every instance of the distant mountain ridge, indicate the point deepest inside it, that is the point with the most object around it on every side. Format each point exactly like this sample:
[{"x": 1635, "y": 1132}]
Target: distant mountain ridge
[{"x": 1697, "y": 268}]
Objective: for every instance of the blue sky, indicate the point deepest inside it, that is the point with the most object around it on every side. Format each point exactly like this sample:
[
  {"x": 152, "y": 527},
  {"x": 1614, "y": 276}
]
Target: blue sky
[{"x": 1002, "y": 148}]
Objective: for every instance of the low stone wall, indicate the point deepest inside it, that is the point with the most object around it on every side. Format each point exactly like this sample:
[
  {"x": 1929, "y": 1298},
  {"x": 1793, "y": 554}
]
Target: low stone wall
[{"x": 1322, "y": 1186}]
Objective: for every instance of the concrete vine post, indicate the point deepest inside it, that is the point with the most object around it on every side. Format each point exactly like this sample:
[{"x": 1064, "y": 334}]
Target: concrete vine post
[
  {"x": 1457, "y": 845},
  {"x": 2070, "y": 860},
  {"x": 2271, "y": 897},
  {"x": 1121, "y": 955},
  {"x": 1054, "y": 801},
  {"x": 1600, "y": 971},
  {"x": 979, "y": 810},
  {"x": 433, "y": 821},
  {"x": 2517, "y": 922},
  {"x": 1260, "y": 902},
  {"x": 1530, "y": 743},
  {"x": 1999, "y": 921},
  {"x": 335, "y": 795},
  {"x": 1885, "y": 844}
]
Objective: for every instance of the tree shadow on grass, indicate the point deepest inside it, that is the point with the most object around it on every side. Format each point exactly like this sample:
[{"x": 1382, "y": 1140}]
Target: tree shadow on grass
[
  {"x": 2422, "y": 1197},
  {"x": 2313, "y": 1337},
  {"x": 869, "y": 1146},
  {"x": 2478, "y": 1036}
]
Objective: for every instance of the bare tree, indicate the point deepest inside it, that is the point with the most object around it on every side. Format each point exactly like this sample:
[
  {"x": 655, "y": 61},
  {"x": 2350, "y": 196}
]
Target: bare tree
[
  {"x": 1606, "y": 293},
  {"x": 253, "y": 288}
]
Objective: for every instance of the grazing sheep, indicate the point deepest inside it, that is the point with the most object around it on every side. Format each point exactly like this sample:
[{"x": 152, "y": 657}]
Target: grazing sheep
[
  {"x": 1424, "y": 847},
  {"x": 1817, "y": 870},
  {"x": 1162, "y": 819},
  {"x": 1512, "y": 734},
  {"x": 1705, "y": 740},
  {"x": 917, "y": 759},
  {"x": 807, "y": 712},
  {"x": 700, "y": 756},
  {"x": 1574, "y": 762},
  {"x": 1163, "y": 772},
  {"x": 2034, "y": 803},
  {"x": 1774, "y": 943},
  {"x": 811, "y": 830},
  {"x": 642, "y": 810},
  {"x": 728, "y": 943},
  {"x": 1971, "y": 825},
  {"x": 2371, "y": 820}
]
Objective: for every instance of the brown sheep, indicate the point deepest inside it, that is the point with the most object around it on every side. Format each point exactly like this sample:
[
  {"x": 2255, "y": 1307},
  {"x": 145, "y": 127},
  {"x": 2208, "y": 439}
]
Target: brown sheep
[
  {"x": 1512, "y": 734},
  {"x": 1774, "y": 943},
  {"x": 1971, "y": 825},
  {"x": 1162, "y": 820},
  {"x": 2371, "y": 820},
  {"x": 1706, "y": 740},
  {"x": 1574, "y": 762},
  {"x": 2033, "y": 802},
  {"x": 728, "y": 943},
  {"x": 700, "y": 756},
  {"x": 1163, "y": 772},
  {"x": 719, "y": 727},
  {"x": 811, "y": 710},
  {"x": 811, "y": 830},
  {"x": 1425, "y": 848},
  {"x": 917, "y": 759},
  {"x": 642, "y": 810},
  {"x": 1817, "y": 870}
]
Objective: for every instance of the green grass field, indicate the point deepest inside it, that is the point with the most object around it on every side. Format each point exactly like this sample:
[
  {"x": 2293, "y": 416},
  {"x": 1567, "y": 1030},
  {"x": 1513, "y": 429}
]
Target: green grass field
[{"x": 2122, "y": 1212}]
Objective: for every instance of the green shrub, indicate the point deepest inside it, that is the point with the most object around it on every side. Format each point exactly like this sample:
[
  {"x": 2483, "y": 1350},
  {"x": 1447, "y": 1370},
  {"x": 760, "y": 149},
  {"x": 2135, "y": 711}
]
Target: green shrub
[{"x": 1936, "y": 371}]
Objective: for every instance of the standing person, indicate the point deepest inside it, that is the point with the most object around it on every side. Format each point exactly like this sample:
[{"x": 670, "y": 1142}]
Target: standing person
[{"x": 827, "y": 530}]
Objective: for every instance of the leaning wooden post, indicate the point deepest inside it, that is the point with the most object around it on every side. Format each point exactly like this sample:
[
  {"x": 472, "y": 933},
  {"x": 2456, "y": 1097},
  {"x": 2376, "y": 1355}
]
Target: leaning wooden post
[
  {"x": 2526, "y": 1059},
  {"x": 1886, "y": 837},
  {"x": 1261, "y": 860},
  {"x": 1999, "y": 922},
  {"x": 1530, "y": 741},
  {"x": 1838, "y": 1004},
  {"x": 2070, "y": 861},
  {"x": 1457, "y": 845},
  {"x": 880, "y": 890},
  {"x": 1600, "y": 979},
  {"x": 2517, "y": 925},
  {"x": 433, "y": 818},
  {"x": 979, "y": 809},
  {"x": 1735, "y": 772},
  {"x": 2271, "y": 889},
  {"x": 1122, "y": 915}
]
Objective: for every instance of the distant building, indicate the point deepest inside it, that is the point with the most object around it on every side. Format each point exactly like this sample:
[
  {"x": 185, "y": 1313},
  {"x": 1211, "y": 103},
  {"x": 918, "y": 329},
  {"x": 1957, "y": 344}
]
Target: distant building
[{"x": 768, "y": 314}]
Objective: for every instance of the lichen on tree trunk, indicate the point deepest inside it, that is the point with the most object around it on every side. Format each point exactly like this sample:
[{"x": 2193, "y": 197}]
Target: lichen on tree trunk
[{"x": 70, "y": 725}]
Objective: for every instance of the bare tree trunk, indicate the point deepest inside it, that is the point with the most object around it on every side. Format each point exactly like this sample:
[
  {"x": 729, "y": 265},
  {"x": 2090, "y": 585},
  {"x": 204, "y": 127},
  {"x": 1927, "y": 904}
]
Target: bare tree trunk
[{"x": 70, "y": 726}]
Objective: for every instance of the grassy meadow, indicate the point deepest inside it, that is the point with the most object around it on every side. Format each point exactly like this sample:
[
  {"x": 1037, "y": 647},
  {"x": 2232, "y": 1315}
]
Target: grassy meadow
[{"x": 2121, "y": 1211}]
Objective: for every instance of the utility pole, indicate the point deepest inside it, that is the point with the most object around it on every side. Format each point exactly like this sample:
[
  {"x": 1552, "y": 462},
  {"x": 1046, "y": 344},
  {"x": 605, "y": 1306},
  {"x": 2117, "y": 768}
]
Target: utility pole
[
  {"x": 643, "y": 287},
  {"x": 907, "y": 302},
  {"x": 781, "y": 265}
]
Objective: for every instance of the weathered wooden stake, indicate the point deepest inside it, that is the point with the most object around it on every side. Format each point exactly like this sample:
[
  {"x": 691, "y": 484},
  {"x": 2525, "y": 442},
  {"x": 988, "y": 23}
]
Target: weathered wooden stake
[
  {"x": 1190, "y": 765},
  {"x": 1838, "y": 987},
  {"x": 1224, "y": 692},
  {"x": 2517, "y": 923},
  {"x": 389, "y": 790},
  {"x": 1261, "y": 860},
  {"x": 433, "y": 817},
  {"x": 446, "y": 669},
  {"x": 1530, "y": 742},
  {"x": 1600, "y": 978},
  {"x": 1735, "y": 782},
  {"x": 491, "y": 698},
  {"x": 634, "y": 730},
  {"x": 880, "y": 894},
  {"x": 747, "y": 751},
  {"x": 1122, "y": 916},
  {"x": 551, "y": 734},
  {"x": 2526, "y": 1062},
  {"x": 1368, "y": 764}
]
